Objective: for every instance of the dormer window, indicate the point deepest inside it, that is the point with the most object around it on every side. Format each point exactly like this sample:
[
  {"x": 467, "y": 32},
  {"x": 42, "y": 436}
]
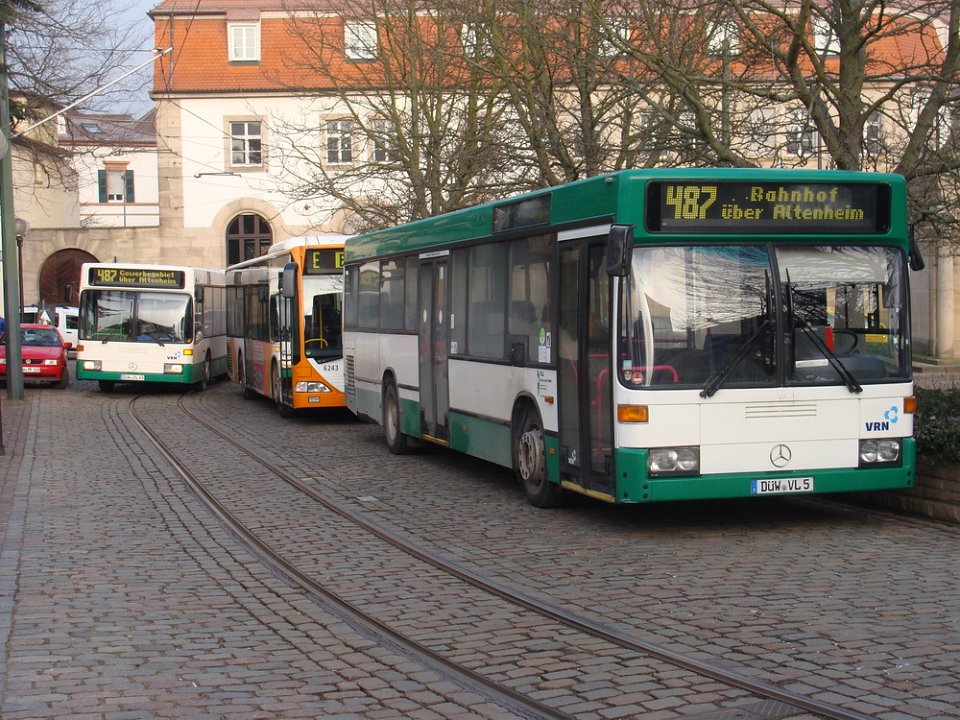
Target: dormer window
[
  {"x": 723, "y": 40},
  {"x": 360, "y": 40},
  {"x": 825, "y": 41},
  {"x": 244, "y": 41}
]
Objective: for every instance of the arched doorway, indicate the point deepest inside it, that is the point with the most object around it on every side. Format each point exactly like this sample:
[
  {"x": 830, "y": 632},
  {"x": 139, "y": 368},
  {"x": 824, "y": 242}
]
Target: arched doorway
[
  {"x": 248, "y": 236},
  {"x": 60, "y": 277}
]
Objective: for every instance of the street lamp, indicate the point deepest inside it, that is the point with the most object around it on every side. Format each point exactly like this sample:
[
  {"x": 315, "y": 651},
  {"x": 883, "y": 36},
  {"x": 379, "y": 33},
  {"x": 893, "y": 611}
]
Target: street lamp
[{"x": 21, "y": 227}]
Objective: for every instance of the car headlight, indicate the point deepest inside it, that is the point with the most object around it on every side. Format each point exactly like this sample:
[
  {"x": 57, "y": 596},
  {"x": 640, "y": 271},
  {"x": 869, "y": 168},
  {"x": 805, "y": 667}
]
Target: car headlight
[
  {"x": 879, "y": 452},
  {"x": 674, "y": 461},
  {"x": 51, "y": 361}
]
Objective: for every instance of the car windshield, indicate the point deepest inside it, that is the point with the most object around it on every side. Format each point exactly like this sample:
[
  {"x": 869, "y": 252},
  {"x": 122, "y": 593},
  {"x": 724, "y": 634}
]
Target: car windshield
[
  {"x": 40, "y": 337},
  {"x": 755, "y": 315}
]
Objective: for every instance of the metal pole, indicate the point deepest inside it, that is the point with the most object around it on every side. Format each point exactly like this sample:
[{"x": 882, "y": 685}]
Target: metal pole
[
  {"x": 11, "y": 284},
  {"x": 20, "y": 265}
]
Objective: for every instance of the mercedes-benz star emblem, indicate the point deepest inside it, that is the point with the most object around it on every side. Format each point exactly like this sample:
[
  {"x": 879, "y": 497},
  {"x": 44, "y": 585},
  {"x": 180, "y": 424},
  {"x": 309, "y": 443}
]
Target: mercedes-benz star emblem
[{"x": 780, "y": 456}]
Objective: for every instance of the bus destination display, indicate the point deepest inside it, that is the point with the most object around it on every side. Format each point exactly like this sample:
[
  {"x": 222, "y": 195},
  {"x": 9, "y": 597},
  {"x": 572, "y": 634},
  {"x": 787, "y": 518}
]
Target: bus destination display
[
  {"x": 767, "y": 207},
  {"x": 322, "y": 261},
  {"x": 136, "y": 278}
]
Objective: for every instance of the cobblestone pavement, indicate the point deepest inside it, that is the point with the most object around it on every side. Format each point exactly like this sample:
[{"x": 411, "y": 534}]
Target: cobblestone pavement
[{"x": 121, "y": 598}]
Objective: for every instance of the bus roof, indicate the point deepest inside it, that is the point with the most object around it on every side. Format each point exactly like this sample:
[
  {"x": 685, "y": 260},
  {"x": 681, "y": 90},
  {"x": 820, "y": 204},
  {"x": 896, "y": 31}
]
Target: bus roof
[
  {"x": 617, "y": 197},
  {"x": 283, "y": 247}
]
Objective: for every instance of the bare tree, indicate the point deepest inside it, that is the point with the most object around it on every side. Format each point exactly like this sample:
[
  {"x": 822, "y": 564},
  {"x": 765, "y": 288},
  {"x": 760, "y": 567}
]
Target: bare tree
[
  {"x": 848, "y": 84},
  {"x": 409, "y": 126},
  {"x": 61, "y": 50}
]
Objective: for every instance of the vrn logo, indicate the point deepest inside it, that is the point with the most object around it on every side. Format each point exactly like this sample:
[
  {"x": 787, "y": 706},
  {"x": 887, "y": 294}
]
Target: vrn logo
[{"x": 890, "y": 417}]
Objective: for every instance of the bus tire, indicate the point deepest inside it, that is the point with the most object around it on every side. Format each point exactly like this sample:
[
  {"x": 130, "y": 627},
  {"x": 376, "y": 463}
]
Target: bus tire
[
  {"x": 106, "y": 386},
  {"x": 396, "y": 440},
  {"x": 205, "y": 377},
  {"x": 283, "y": 410},
  {"x": 245, "y": 392},
  {"x": 530, "y": 461}
]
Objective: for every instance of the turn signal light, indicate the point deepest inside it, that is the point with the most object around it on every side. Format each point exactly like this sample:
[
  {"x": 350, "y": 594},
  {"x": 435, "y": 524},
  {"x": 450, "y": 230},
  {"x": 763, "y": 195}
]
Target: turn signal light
[{"x": 633, "y": 413}]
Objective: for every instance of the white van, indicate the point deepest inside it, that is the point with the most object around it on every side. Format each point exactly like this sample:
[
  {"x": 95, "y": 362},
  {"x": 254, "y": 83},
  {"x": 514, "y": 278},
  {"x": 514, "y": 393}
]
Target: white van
[{"x": 66, "y": 318}]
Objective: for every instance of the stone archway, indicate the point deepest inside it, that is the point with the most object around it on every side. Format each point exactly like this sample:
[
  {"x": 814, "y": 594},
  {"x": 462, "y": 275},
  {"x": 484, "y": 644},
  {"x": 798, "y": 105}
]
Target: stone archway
[{"x": 60, "y": 277}]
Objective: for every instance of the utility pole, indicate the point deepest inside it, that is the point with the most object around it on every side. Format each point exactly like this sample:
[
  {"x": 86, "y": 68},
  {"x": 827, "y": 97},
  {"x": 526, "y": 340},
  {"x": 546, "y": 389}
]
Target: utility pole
[{"x": 11, "y": 280}]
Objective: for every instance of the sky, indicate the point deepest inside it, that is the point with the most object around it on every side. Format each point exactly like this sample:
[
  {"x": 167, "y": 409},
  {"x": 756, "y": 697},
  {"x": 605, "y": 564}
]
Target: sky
[{"x": 136, "y": 16}]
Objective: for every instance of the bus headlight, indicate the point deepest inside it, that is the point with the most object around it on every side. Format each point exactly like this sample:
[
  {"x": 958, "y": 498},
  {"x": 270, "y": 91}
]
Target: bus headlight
[
  {"x": 91, "y": 365},
  {"x": 674, "y": 461},
  {"x": 311, "y": 387},
  {"x": 879, "y": 452},
  {"x": 172, "y": 369}
]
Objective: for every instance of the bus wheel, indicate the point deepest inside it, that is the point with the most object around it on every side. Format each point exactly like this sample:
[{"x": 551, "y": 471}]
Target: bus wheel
[
  {"x": 285, "y": 411},
  {"x": 530, "y": 462},
  {"x": 205, "y": 378},
  {"x": 245, "y": 392},
  {"x": 396, "y": 440},
  {"x": 106, "y": 386}
]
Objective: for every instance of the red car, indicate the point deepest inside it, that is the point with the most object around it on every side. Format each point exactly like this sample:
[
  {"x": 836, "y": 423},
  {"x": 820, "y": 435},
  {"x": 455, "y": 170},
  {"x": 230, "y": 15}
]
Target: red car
[{"x": 44, "y": 355}]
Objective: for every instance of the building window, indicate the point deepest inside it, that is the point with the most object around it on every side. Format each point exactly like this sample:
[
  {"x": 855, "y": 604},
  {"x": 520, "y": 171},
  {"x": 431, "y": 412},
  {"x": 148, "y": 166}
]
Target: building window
[
  {"x": 383, "y": 136},
  {"x": 360, "y": 40},
  {"x": 825, "y": 40},
  {"x": 614, "y": 36},
  {"x": 246, "y": 143},
  {"x": 800, "y": 134},
  {"x": 475, "y": 39},
  {"x": 339, "y": 142},
  {"x": 244, "y": 40},
  {"x": 115, "y": 185},
  {"x": 761, "y": 129},
  {"x": 723, "y": 40},
  {"x": 248, "y": 236},
  {"x": 873, "y": 135}
]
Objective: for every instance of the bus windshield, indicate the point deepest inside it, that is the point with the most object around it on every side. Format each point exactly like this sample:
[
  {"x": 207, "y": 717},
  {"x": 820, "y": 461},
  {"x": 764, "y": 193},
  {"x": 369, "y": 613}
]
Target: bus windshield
[
  {"x": 761, "y": 315},
  {"x": 322, "y": 309},
  {"x": 126, "y": 316}
]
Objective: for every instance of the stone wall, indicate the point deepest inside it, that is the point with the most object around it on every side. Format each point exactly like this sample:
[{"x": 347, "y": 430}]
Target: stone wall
[{"x": 936, "y": 494}]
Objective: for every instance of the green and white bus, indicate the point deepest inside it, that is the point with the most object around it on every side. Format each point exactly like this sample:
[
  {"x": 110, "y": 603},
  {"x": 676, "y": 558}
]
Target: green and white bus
[
  {"x": 649, "y": 335},
  {"x": 144, "y": 323}
]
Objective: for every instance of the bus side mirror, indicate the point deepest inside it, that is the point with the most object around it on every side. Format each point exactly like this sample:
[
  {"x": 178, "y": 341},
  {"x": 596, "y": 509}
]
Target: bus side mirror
[
  {"x": 916, "y": 258},
  {"x": 288, "y": 281},
  {"x": 619, "y": 250}
]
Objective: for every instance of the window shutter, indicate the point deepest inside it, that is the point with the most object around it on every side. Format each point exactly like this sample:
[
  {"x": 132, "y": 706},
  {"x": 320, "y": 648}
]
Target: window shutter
[
  {"x": 102, "y": 184},
  {"x": 128, "y": 186}
]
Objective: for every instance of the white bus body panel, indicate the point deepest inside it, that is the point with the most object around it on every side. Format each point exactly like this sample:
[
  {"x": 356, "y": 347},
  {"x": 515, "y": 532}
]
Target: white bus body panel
[
  {"x": 490, "y": 391},
  {"x": 737, "y": 429}
]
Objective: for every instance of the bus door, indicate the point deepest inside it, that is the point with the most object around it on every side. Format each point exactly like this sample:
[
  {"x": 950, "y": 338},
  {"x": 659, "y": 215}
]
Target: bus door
[
  {"x": 585, "y": 391},
  {"x": 434, "y": 347},
  {"x": 286, "y": 322}
]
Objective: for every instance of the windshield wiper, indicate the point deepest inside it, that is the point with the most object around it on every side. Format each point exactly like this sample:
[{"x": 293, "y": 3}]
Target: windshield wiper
[
  {"x": 153, "y": 335},
  {"x": 849, "y": 380},
  {"x": 714, "y": 383},
  {"x": 842, "y": 370}
]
